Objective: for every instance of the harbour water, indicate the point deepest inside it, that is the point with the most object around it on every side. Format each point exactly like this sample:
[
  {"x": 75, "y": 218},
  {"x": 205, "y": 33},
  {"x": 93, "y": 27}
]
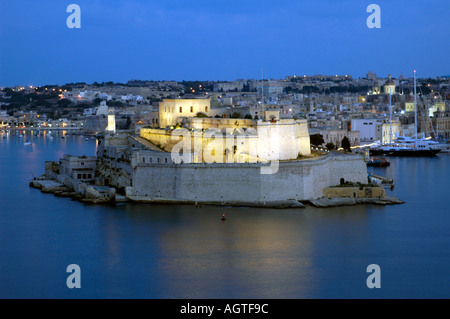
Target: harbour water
[{"x": 142, "y": 251}]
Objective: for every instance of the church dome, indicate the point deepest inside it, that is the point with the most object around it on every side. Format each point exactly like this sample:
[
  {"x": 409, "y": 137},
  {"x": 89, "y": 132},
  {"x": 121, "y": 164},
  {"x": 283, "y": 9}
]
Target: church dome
[
  {"x": 389, "y": 81},
  {"x": 389, "y": 86}
]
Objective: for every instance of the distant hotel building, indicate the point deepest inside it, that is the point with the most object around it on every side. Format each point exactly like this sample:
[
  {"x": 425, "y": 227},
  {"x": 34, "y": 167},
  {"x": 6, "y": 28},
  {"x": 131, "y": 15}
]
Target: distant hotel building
[
  {"x": 270, "y": 88},
  {"x": 237, "y": 86},
  {"x": 319, "y": 77}
]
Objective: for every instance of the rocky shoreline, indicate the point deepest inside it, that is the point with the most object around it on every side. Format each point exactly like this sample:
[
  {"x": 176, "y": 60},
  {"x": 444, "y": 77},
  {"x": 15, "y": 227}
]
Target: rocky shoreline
[
  {"x": 349, "y": 201},
  {"x": 90, "y": 196}
]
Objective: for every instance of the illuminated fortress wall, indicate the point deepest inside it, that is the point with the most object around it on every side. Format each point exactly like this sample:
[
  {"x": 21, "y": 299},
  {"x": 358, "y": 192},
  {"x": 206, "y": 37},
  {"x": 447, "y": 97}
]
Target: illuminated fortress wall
[{"x": 254, "y": 139}]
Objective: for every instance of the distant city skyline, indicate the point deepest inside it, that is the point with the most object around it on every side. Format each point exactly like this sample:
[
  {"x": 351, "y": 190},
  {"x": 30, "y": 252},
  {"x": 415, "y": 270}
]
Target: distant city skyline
[{"x": 219, "y": 40}]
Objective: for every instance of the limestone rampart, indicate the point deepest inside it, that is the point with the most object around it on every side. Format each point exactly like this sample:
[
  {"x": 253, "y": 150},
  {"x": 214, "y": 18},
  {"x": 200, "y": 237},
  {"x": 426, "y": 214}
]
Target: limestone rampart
[{"x": 243, "y": 182}]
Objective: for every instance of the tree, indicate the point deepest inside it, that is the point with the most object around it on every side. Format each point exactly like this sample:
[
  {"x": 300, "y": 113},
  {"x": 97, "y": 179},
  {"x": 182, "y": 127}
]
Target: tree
[
  {"x": 330, "y": 146},
  {"x": 116, "y": 103},
  {"x": 316, "y": 139},
  {"x": 200, "y": 114},
  {"x": 64, "y": 103},
  {"x": 288, "y": 89},
  {"x": 346, "y": 144}
]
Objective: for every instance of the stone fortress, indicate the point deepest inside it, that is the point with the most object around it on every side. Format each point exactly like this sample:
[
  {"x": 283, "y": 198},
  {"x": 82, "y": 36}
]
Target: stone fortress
[
  {"x": 195, "y": 158},
  {"x": 220, "y": 160},
  {"x": 219, "y": 140}
]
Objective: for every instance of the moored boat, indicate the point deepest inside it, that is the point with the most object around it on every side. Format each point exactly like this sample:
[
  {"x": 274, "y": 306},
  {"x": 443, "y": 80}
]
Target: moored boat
[
  {"x": 403, "y": 151},
  {"x": 378, "y": 162},
  {"x": 404, "y": 146}
]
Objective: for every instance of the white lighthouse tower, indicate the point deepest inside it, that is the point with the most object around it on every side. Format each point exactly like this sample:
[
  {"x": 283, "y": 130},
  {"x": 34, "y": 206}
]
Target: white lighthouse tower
[{"x": 111, "y": 121}]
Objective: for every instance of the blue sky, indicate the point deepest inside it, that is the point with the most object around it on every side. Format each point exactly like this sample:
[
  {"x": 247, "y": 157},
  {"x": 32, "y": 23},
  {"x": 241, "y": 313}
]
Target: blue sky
[{"x": 179, "y": 40}]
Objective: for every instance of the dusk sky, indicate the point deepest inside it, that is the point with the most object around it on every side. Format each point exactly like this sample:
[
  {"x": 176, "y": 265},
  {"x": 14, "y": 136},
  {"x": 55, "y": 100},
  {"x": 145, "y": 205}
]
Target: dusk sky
[{"x": 219, "y": 40}]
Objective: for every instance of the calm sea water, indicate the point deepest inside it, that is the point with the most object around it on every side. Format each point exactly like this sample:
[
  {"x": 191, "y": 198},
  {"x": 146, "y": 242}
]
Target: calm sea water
[{"x": 141, "y": 251}]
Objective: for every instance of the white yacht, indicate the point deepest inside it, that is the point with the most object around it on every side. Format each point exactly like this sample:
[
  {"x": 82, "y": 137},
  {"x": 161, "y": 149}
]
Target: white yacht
[{"x": 427, "y": 142}]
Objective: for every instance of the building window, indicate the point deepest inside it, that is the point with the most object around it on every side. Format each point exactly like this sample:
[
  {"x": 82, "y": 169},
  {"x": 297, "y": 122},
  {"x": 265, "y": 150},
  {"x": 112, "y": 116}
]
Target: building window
[
  {"x": 165, "y": 160},
  {"x": 192, "y": 109},
  {"x": 89, "y": 176},
  {"x": 181, "y": 109},
  {"x": 151, "y": 159},
  {"x": 79, "y": 176},
  {"x": 206, "y": 109},
  {"x": 84, "y": 176},
  {"x": 82, "y": 163},
  {"x": 143, "y": 160},
  {"x": 158, "y": 159}
]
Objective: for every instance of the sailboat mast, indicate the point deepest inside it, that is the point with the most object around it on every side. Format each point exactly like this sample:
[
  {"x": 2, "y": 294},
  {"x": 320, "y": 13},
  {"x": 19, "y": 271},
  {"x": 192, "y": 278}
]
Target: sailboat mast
[
  {"x": 415, "y": 110},
  {"x": 262, "y": 89},
  {"x": 390, "y": 115}
]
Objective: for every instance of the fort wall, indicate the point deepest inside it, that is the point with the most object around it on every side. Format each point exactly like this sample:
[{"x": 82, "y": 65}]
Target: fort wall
[
  {"x": 260, "y": 140},
  {"x": 243, "y": 182}
]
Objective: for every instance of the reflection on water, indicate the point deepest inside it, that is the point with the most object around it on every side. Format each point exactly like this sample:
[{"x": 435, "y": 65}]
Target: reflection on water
[
  {"x": 252, "y": 253},
  {"x": 256, "y": 253},
  {"x": 163, "y": 251}
]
